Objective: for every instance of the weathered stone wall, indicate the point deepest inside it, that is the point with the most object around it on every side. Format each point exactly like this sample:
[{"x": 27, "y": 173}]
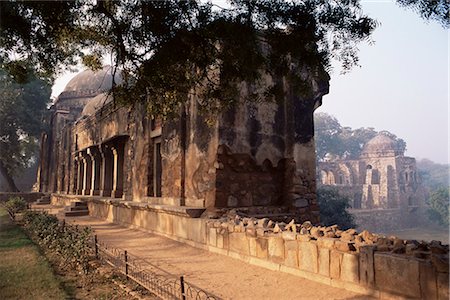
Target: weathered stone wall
[
  {"x": 363, "y": 262},
  {"x": 241, "y": 182},
  {"x": 385, "y": 220}
]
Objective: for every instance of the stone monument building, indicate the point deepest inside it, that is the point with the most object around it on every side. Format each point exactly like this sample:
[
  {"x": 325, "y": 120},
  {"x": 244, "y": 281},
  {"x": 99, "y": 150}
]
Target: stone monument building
[
  {"x": 213, "y": 186},
  {"x": 256, "y": 155},
  {"x": 381, "y": 179}
]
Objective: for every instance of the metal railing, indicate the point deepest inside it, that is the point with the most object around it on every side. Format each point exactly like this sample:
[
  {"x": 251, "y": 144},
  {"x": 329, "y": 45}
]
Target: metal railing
[{"x": 165, "y": 286}]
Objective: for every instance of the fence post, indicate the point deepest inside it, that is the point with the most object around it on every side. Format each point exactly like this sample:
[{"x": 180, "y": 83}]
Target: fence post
[
  {"x": 183, "y": 296},
  {"x": 126, "y": 264},
  {"x": 96, "y": 246}
]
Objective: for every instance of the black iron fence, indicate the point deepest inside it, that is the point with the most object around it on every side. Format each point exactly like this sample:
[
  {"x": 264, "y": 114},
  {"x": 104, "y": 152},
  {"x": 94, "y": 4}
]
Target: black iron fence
[{"x": 165, "y": 286}]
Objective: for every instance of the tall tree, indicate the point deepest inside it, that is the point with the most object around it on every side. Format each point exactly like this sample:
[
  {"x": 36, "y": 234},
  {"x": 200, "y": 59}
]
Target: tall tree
[
  {"x": 21, "y": 112},
  {"x": 172, "y": 49},
  {"x": 344, "y": 142}
]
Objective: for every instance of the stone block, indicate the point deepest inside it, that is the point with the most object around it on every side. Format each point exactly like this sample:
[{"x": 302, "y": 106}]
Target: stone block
[
  {"x": 238, "y": 242},
  {"x": 181, "y": 227},
  {"x": 307, "y": 256},
  {"x": 164, "y": 223},
  {"x": 350, "y": 267},
  {"x": 288, "y": 235},
  {"x": 222, "y": 239},
  {"x": 366, "y": 267},
  {"x": 443, "y": 285},
  {"x": 262, "y": 250},
  {"x": 428, "y": 281},
  {"x": 327, "y": 243},
  {"x": 335, "y": 264},
  {"x": 276, "y": 249},
  {"x": 196, "y": 229},
  {"x": 324, "y": 261},
  {"x": 397, "y": 274},
  {"x": 212, "y": 237},
  {"x": 252, "y": 245},
  {"x": 291, "y": 253}
]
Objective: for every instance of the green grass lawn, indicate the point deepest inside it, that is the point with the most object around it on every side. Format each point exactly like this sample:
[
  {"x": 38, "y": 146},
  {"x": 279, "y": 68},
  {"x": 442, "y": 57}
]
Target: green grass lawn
[{"x": 24, "y": 273}]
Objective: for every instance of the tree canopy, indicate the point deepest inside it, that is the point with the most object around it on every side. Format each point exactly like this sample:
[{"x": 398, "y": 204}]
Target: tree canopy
[
  {"x": 333, "y": 208},
  {"x": 22, "y": 107},
  {"x": 344, "y": 142},
  {"x": 172, "y": 49},
  {"x": 439, "y": 203},
  {"x": 169, "y": 50}
]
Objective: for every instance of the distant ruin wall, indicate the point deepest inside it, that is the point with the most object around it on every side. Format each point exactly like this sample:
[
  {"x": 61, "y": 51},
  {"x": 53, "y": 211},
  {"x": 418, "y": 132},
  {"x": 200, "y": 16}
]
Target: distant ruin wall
[
  {"x": 384, "y": 220},
  {"x": 362, "y": 262}
]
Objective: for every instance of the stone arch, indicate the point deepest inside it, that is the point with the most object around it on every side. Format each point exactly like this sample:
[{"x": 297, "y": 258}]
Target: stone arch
[
  {"x": 344, "y": 171},
  {"x": 375, "y": 176},
  {"x": 331, "y": 178},
  {"x": 323, "y": 177}
]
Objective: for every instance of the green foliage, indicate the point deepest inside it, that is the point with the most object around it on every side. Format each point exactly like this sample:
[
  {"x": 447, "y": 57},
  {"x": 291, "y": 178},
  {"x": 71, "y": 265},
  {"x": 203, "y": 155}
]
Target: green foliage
[
  {"x": 13, "y": 206},
  {"x": 439, "y": 202},
  {"x": 71, "y": 243},
  {"x": 22, "y": 107},
  {"x": 344, "y": 142},
  {"x": 333, "y": 208},
  {"x": 169, "y": 51},
  {"x": 437, "y": 10},
  {"x": 433, "y": 175}
]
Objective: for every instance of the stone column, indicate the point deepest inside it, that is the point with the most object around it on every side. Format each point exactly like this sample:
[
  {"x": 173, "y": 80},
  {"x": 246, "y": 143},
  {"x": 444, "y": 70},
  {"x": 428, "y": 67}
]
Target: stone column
[
  {"x": 74, "y": 183},
  {"x": 87, "y": 176},
  {"x": 106, "y": 171},
  {"x": 95, "y": 173},
  {"x": 80, "y": 174},
  {"x": 118, "y": 158}
]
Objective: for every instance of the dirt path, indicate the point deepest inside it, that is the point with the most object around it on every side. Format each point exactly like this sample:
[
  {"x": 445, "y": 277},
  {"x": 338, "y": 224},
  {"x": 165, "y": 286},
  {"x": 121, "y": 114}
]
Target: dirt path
[{"x": 223, "y": 276}]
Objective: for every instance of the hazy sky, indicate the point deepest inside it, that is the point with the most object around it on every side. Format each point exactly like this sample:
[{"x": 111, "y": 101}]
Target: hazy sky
[{"x": 402, "y": 85}]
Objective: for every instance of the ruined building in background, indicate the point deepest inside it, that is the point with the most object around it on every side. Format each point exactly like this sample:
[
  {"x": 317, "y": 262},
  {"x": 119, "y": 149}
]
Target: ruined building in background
[
  {"x": 259, "y": 157},
  {"x": 383, "y": 184}
]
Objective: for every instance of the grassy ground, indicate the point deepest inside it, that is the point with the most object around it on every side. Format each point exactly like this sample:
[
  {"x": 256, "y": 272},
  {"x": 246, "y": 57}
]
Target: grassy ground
[{"x": 24, "y": 273}]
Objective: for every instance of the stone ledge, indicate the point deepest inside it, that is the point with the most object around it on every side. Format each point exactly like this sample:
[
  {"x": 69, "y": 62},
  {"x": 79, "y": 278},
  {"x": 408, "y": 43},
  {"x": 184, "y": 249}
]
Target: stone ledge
[
  {"x": 186, "y": 211},
  {"x": 192, "y": 212}
]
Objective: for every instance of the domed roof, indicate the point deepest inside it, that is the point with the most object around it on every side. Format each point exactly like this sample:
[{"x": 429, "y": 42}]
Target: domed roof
[
  {"x": 90, "y": 81},
  {"x": 381, "y": 145},
  {"x": 96, "y": 103}
]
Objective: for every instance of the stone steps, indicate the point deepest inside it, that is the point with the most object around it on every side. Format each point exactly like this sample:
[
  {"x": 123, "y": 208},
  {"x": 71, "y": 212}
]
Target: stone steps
[
  {"x": 44, "y": 200},
  {"x": 76, "y": 209},
  {"x": 76, "y": 213}
]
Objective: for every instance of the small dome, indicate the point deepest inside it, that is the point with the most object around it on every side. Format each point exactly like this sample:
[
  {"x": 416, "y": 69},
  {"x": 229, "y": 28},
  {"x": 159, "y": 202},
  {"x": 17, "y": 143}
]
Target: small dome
[
  {"x": 380, "y": 145},
  {"x": 90, "y": 81},
  {"x": 96, "y": 103}
]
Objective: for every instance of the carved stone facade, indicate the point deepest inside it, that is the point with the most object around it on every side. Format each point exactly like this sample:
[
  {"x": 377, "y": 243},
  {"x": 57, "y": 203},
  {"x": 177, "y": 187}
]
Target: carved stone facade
[
  {"x": 254, "y": 155},
  {"x": 381, "y": 179}
]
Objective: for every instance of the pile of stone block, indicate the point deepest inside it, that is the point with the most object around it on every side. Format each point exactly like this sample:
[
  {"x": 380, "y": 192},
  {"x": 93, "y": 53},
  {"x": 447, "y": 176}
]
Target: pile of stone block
[{"x": 360, "y": 261}]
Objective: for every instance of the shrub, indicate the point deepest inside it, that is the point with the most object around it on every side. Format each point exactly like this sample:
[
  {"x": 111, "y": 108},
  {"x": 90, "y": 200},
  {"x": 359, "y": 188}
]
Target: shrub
[
  {"x": 333, "y": 208},
  {"x": 13, "y": 206},
  {"x": 71, "y": 244},
  {"x": 439, "y": 206}
]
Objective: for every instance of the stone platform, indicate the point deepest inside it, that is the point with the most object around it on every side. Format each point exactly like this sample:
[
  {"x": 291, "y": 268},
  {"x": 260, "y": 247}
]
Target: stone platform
[{"x": 360, "y": 262}]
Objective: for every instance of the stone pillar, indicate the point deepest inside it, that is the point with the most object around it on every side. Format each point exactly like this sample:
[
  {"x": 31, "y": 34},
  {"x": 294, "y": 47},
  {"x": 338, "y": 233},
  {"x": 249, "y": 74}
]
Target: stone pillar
[
  {"x": 118, "y": 158},
  {"x": 74, "y": 183},
  {"x": 80, "y": 175},
  {"x": 87, "y": 176},
  {"x": 106, "y": 171},
  {"x": 94, "y": 155}
]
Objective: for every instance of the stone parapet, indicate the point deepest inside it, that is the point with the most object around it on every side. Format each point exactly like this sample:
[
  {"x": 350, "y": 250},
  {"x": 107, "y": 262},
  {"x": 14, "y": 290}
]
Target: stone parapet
[{"x": 363, "y": 262}]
